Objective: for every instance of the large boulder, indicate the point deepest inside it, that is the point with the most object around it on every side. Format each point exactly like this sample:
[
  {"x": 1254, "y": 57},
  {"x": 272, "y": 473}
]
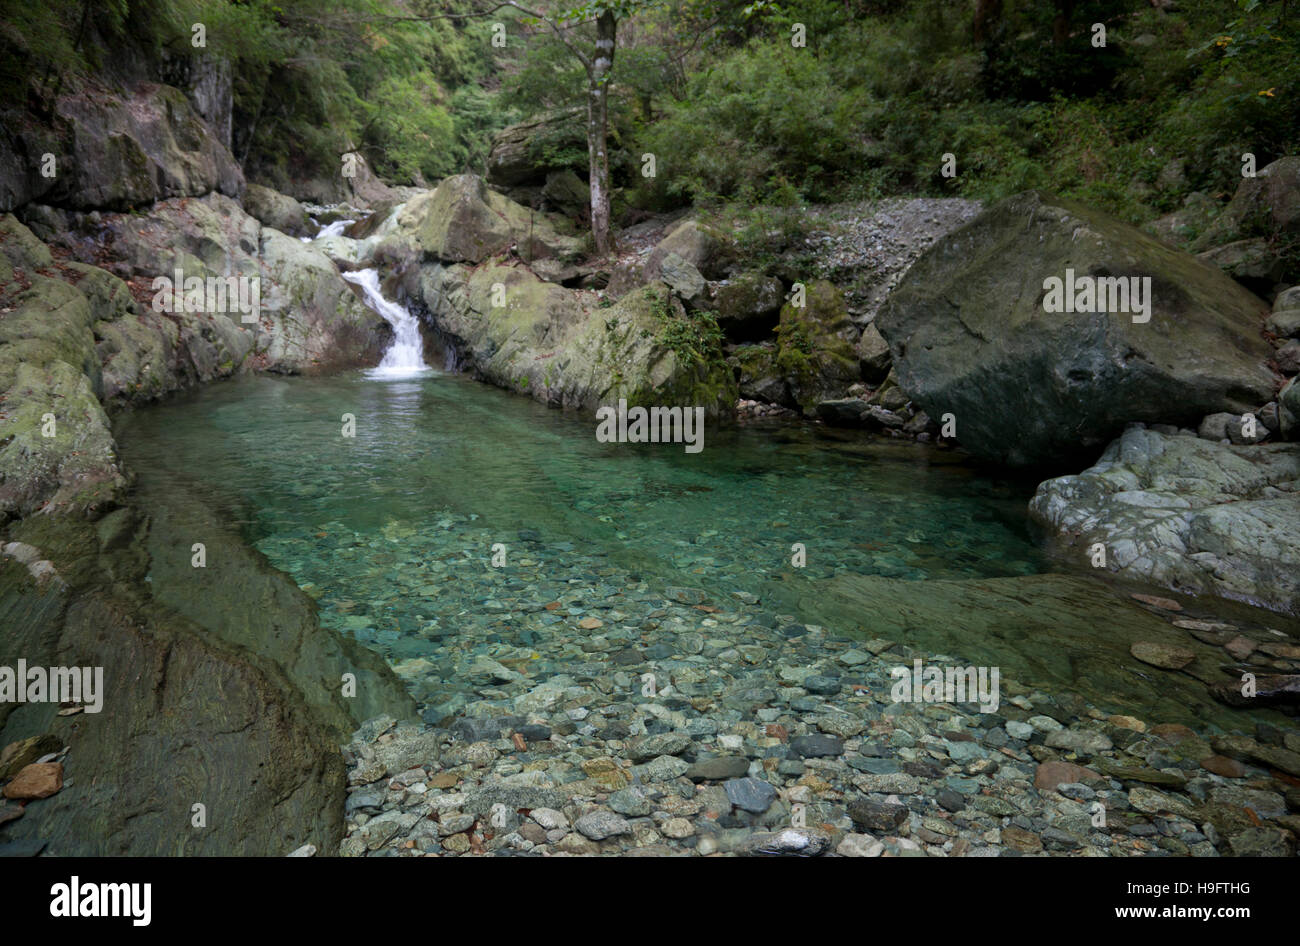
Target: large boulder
[
  {"x": 813, "y": 352},
  {"x": 1254, "y": 238},
  {"x": 1191, "y": 514},
  {"x": 276, "y": 210},
  {"x": 970, "y": 335},
  {"x": 118, "y": 151},
  {"x": 567, "y": 193},
  {"x": 312, "y": 320},
  {"x": 525, "y": 153},
  {"x": 558, "y": 346},
  {"x": 684, "y": 280},
  {"x": 707, "y": 248},
  {"x": 749, "y": 306},
  {"x": 1266, "y": 204},
  {"x": 463, "y": 221},
  {"x": 309, "y": 318},
  {"x": 1285, "y": 320}
]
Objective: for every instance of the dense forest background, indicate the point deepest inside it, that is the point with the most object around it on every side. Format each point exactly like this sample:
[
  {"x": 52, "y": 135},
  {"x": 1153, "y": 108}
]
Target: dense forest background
[{"x": 733, "y": 111}]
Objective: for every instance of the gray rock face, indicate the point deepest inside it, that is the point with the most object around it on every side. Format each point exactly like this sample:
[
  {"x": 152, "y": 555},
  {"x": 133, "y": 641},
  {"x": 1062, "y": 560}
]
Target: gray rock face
[
  {"x": 554, "y": 344},
  {"x": 77, "y": 339},
  {"x": 1288, "y": 410},
  {"x": 310, "y": 319},
  {"x": 1186, "y": 513},
  {"x": 749, "y": 306},
  {"x": 463, "y": 221},
  {"x": 567, "y": 193},
  {"x": 118, "y": 151},
  {"x": 278, "y": 211},
  {"x": 519, "y": 153},
  {"x": 970, "y": 335}
]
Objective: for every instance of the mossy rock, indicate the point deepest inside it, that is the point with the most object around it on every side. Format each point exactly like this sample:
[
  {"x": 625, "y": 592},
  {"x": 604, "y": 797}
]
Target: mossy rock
[
  {"x": 710, "y": 250},
  {"x": 463, "y": 221},
  {"x": 278, "y": 211},
  {"x": 970, "y": 335},
  {"x": 816, "y": 360},
  {"x": 558, "y": 346},
  {"x": 749, "y": 306},
  {"x": 758, "y": 377}
]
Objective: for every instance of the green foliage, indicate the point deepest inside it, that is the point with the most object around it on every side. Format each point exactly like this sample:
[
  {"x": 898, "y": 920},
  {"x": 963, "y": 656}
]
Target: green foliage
[
  {"x": 873, "y": 103},
  {"x": 694, "y": 337},
  {"x": 734, "y": 114},
  {"x": 312, "y": 79},
  {"x": 740, "y": 129}
]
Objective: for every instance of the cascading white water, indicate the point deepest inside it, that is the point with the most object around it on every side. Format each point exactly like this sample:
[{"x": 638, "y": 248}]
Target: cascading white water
[
  {"x": 405, "y": 357},
  {"x": 334, "y": 229}
]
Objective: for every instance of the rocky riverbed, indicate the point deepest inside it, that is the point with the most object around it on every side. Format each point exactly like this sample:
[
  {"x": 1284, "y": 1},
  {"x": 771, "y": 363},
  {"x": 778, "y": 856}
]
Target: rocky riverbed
[{"x": 589, "y": 712}]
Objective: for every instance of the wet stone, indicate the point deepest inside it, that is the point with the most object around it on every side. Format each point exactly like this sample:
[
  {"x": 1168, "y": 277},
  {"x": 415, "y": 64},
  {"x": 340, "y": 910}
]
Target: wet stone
[
  {"x": 950, "y": 800},
  {"x": 751, "y": 794},
  {"x": 823, "y": 685},
  {"x": 364, "y": 800},
  {"x": 719, "y": 769},
  {"x": 601, "y": 824},
  {"x": 668, "y": 743},
  {"x": 816, "y": 746},
  {"x": 882, "y": 817},
  {"x": 790, "y": 842},
  {"x": 630, "y": 801}
]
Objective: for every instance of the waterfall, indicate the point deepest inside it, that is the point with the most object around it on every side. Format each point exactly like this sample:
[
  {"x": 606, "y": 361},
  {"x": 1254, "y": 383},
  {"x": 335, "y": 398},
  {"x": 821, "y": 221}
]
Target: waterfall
[
  {"x": 333, "y": 229},
  {"x": 405, "y": 357}
]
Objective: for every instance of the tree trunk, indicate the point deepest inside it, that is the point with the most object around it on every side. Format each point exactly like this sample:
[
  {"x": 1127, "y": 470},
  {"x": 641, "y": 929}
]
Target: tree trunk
[
  {"x": 597, "y": 127},
  {"x": 1061, "y": 22},
  {"x": 987, "y": 15}
]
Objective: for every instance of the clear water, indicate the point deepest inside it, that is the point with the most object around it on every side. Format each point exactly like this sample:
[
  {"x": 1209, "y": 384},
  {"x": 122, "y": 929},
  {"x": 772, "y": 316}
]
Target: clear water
[
  {"x": 392, "y": 530},
  {"x": 445, "y": 443}
]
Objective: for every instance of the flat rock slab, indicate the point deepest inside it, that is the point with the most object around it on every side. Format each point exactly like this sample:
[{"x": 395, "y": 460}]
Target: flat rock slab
[
  {"x": 599, "y": 825},
  {"x": 38, "y": 780},
  {"x": 1162, "y": 655},
  {"x": 1052, "y": 774},
  {"x": 1070, "y": 631},
  {"x": 1181, "y": 512},
  {"x": 816, "y": 746},
  {"x": 719, "y": 769}
]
